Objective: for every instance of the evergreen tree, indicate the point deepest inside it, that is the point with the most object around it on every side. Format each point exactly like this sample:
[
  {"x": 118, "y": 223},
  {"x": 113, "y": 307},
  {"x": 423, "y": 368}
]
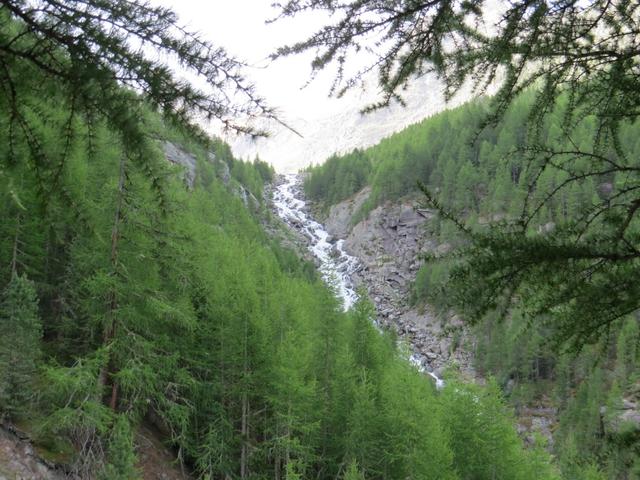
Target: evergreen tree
[
  {"x": 20, "y": 336},
  {"x": 96, "y": 70},
  {"x": 352, "y": 472},
  {"x": 120, "y": 453},
  {"x": 577, "y": 61}
]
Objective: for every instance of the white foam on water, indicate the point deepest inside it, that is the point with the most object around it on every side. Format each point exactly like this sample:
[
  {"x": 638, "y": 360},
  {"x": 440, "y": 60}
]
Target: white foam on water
[{"x": 335, "y": 265}]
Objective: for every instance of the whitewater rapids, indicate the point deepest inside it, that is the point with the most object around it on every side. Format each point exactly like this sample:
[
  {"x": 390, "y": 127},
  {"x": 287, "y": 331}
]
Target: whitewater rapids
[{"x": 335, "y": 265}]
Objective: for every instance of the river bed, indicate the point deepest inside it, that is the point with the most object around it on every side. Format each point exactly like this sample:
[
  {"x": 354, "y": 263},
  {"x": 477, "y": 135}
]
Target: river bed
[{"x": 335, "y": 265}]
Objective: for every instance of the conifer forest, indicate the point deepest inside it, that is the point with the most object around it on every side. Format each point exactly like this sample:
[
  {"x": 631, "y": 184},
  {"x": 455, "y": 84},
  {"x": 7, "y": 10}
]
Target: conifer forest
[{"x": 172, "y": 310}]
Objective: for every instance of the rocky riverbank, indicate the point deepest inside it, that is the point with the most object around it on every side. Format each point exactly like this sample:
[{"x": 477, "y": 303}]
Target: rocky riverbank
[{"x": 388, "y": 244}]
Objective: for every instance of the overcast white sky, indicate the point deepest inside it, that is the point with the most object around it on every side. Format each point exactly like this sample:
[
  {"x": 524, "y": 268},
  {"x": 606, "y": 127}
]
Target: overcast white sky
[
  {"x": 239, "y": 26},
  {"x": 328, "y": 125}
]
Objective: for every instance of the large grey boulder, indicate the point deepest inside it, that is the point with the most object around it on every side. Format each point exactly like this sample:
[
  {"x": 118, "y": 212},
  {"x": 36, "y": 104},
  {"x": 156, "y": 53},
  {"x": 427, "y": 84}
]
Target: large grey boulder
[{"x": 338, "y": 222}]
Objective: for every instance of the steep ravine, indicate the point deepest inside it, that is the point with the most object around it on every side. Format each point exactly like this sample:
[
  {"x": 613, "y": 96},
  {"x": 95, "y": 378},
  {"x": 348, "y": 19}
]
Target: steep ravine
[
  {"x": 348, "y": 259},
  {"x": 388, "y": 244}
]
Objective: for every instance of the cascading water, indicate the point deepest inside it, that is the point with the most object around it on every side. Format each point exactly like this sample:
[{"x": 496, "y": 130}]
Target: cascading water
[{"x": 335, "y": 265}]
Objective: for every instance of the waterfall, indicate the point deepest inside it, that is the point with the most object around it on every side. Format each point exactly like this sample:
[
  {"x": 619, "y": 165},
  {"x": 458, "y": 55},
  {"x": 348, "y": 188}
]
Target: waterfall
[{"x": 335, "y": 265}]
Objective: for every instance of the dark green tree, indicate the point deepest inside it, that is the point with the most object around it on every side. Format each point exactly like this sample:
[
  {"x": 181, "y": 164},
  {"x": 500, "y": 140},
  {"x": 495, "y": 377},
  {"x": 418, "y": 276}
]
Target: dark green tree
[{"x": 20, "y": 335}]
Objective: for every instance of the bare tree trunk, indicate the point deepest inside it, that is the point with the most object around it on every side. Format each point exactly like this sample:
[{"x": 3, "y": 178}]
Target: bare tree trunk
[
  {"x": 107, "y": 371},
  {"x": 244, "y": 454}
]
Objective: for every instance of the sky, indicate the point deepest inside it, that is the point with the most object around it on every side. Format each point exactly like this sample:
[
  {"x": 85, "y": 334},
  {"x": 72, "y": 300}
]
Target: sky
[
  {"x": 327, "y": 125},
  {"x": 239, "y": 26}
]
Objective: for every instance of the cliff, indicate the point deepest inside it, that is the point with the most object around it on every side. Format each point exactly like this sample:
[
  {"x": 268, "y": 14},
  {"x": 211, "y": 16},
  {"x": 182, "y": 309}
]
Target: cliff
[{"x": 389, "y": 243}]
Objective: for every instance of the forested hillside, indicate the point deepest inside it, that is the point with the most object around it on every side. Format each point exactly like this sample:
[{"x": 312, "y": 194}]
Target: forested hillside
[
  {"x": 132, "y": 298},
  {"x": 481, "y": 176}
]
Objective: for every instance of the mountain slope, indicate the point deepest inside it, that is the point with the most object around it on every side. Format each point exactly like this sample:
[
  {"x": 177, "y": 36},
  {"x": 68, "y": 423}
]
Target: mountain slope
[
  {"x": 343, "y": 128},
  {"x": 484, "y": 178}
]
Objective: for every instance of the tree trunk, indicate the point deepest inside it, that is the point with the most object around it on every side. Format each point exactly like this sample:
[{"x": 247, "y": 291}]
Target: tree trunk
[
  {"x": 244, "y": 454},
  {"x": 108, "y": 370}
]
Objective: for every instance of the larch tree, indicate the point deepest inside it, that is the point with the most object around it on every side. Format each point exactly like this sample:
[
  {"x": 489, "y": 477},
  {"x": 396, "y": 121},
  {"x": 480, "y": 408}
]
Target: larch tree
[
  {"x": 90, "y": 50},
  {"x": 107, "y": 63},
  {"x": 20, "y": 335},
  {"x": 581, "y": 60}
]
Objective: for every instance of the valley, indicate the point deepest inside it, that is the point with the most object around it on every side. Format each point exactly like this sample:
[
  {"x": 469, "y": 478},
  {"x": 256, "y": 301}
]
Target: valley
[
  {"x": 382, "y": 261},
  {"x": 458, "y": 300}
]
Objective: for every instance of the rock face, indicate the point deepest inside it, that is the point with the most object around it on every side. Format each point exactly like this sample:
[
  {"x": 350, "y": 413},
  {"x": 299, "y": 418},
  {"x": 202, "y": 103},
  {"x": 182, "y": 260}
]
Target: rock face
[
  {"x": 338, "y": 222},
  {"x": 388, "y": 243},
  {"x": 178, "y": 156},
  {"x": 18, "y": 460}
]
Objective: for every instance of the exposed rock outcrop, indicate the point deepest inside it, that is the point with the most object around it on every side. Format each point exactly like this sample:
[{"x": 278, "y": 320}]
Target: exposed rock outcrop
[
  {"x": 19, "y": 460},
  {"x": 338, "y": 222},
  {"x": 538, "y": 419},
  {"x": 389, "y": 243},
  {"x": 178, "y": 156}
]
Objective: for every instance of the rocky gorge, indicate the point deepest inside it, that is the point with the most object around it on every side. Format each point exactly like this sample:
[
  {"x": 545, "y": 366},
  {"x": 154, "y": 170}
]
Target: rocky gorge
[
  {"x": 387, "y": 246},
  {"x": 390, "y": 243}
]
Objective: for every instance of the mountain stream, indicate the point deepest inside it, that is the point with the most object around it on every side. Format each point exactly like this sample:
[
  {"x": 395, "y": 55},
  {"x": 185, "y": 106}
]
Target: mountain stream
[{"x": 335, "y": 265}]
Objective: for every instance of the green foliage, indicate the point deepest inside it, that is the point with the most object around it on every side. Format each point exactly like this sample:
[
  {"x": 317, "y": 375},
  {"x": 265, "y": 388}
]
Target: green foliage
[
  {"x": 189, "y": 314},
  {"x": 496, "y": 452},
  {"x": 20, "y": 336},
  {"x": 532, "y": 219},
  {"x": 556, "y": 282},
  {"x": 338, "y": 178},
  {"x": 425, "y": 285},
  {"x": 352, "y": 472},
  {"x": 104, "y": 57},
  {"x": 120, "y": 454}
]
